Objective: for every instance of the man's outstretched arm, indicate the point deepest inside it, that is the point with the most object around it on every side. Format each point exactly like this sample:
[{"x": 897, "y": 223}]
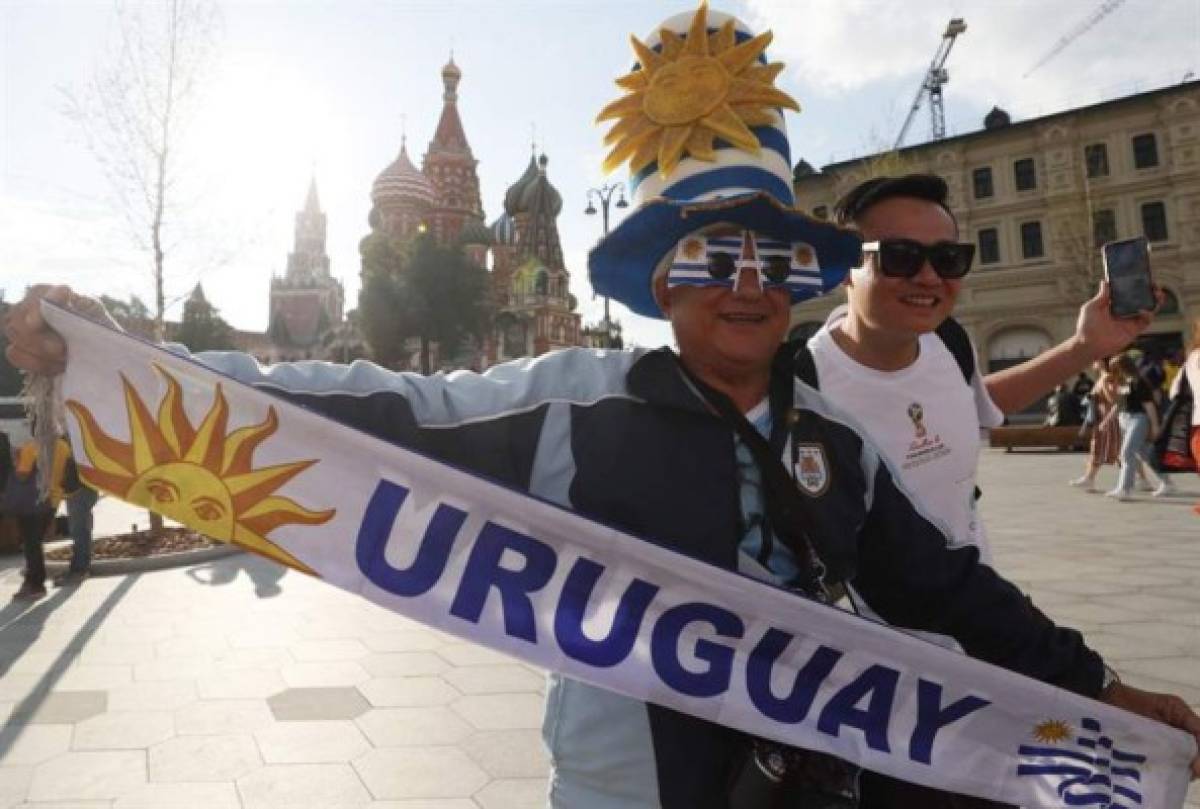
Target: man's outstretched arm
[{"x": 1097, "y": 334}]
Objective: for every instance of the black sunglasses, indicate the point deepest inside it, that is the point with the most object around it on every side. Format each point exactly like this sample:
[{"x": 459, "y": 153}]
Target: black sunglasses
[
  {"x": 904, "y": 258},
  {"x": 775, "y": 269}
]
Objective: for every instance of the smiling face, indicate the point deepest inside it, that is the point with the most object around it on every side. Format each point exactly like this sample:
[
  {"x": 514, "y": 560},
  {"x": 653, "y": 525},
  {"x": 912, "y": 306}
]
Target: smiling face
[
  {"x": 727, "y": 332},
  {"x": 903, "y": 307}
]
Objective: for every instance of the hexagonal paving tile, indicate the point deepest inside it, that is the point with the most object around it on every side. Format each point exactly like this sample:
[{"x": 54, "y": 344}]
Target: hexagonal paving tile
[
  {"x": 314, "y": 742},
  {"x": 123, "y": 731},
  {"x": 87, "y": 676},
  {"x": 14, "y": 785},
  {"x": 470, "y": 654},
  {"x": 157, "y": 696},
  {"x": 403, "y": 664},
  {"x": 222, "y": 716},
  {"x": 508, "y": 753},
  {"x": 324, "y": 674},
  {"x": 525, "y": 793},
  {"x": 409, "y": 640},
  {"x": 393, "y": 692},
  {"x": 88, "y": 776},
  {"x": 203, "y": 758},
  {"x": 420, "y": 772},
  {"x": 180, "y": 796},
  {"x": 317, "y": 703},
  {"x": 324, "y": 785},
  {"x": 402, "y": 727},
  {"x": 33, "y": 744},
  {"x": 501, "y": 711},
  {"x": 506, "y": 679},
  {"x": 313, "y": 651},
  {"x": 248, "y": 684},
  {"x": 63, "y": 708}
]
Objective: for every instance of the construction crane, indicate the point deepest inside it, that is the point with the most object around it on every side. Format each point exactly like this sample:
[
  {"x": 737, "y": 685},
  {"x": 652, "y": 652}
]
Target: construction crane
[
  {"x": 932, "y": 84},
  {"x": 1106, "y": 8}
]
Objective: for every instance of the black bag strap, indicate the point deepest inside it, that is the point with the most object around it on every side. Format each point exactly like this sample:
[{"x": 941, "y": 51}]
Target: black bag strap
[
  {"x": 959, "y": 344},
  {"x": 784, "y": 513},
  {"x": 950, "y": 331}
]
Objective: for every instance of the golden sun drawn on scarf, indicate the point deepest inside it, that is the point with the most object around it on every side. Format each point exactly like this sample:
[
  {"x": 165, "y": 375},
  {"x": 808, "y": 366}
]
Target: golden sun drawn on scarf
[
  {"x": 201, "y": 476},
  {"x": 698, "y": 88},
  {"x": 1052, "y": 731}
]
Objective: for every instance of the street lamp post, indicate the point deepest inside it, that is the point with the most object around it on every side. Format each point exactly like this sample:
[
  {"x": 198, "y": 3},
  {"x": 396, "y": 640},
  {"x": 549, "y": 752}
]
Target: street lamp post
[{"x": 604, "y": 195}]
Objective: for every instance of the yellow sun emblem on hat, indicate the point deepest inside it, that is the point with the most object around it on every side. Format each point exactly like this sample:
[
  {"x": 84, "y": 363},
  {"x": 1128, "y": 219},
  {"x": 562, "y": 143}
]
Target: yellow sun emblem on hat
[
  {"x": 1052, "y": 731},
  {"x": 200, "y": 476},
  {"x": 699, "y": 88}
]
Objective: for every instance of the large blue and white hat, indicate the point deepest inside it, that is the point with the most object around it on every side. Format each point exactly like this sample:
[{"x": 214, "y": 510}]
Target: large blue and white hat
[{"x": 701, "y": 126}]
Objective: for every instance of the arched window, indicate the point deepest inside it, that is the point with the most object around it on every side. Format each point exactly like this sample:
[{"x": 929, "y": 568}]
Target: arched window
[
  {"x": 1014, "y": 345},
  {"x": 1170, "y": 303},
  {"x": 543, "y": 282}
]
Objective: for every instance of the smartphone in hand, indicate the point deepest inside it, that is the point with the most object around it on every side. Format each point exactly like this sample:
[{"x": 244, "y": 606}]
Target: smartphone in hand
[{"x": 1127, "y": 267}]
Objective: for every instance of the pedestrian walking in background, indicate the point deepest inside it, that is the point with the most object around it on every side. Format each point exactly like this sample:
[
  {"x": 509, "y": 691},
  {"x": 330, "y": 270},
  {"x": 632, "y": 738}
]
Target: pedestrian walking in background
[
  {"x": 81, "y": 499},
  {"x": 1105, "y": 445},
  {"x": 1139, "y": 420}
]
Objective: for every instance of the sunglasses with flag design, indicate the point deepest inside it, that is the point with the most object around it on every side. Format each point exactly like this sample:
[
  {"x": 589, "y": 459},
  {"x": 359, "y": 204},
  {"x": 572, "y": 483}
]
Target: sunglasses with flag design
[{"x": 707, "y": 260}]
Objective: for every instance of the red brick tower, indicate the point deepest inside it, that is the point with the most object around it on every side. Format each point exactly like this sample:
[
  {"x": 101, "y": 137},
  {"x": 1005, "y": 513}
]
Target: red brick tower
[{"x": 450, "y": 167}]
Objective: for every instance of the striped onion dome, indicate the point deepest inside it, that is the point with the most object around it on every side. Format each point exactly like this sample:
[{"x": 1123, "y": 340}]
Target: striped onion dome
[
  {"x": 402, "y": 183},
  {"x": 504, "y": 230}
]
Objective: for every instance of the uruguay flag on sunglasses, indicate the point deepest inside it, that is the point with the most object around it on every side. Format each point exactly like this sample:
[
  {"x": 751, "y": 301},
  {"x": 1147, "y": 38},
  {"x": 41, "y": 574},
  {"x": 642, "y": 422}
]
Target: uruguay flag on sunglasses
[{"x": 719, "y": 261}]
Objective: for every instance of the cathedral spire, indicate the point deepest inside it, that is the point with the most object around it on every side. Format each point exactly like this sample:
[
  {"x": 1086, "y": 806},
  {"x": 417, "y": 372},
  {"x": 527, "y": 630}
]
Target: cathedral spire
[
  {"x": 312, "y": 203},
  {"x": 450, "y": 136}
]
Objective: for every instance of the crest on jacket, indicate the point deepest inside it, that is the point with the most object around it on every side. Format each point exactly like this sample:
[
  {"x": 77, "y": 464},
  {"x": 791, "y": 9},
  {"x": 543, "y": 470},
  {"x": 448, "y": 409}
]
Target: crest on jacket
[{"x": 810, "y": 469}]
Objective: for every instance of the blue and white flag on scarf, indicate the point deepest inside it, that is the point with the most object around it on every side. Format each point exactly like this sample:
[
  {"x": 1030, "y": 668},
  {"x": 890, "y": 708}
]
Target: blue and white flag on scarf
[{"x": 538, "y": 582}]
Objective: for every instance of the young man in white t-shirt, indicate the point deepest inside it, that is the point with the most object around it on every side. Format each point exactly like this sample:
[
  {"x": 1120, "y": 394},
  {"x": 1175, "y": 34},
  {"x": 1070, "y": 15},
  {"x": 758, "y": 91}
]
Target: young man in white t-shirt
[{"x": 880, "y": 359}]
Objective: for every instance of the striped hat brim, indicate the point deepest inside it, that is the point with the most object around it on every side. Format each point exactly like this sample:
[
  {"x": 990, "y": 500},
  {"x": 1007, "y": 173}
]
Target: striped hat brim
[{"x": 621, "y": 266}]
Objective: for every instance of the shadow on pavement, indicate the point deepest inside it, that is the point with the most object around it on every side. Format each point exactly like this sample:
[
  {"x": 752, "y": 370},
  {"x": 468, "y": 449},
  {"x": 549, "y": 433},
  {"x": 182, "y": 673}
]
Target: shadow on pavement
[
  {"x": 264, "y": 574},
  {"x": 21, "y": 624}
]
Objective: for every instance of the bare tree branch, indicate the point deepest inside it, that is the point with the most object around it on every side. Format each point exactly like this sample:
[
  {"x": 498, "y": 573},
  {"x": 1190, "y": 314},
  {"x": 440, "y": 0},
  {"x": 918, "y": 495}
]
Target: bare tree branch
[{"x": 134, "y": 112}]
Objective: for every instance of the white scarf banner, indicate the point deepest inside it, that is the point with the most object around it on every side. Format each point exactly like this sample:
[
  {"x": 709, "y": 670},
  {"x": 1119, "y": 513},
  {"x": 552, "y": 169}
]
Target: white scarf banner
[{"x": 538, "y": 582}]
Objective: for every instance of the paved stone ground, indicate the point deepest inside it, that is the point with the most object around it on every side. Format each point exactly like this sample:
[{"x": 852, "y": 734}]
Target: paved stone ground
[{"x": 234, "y": 685}]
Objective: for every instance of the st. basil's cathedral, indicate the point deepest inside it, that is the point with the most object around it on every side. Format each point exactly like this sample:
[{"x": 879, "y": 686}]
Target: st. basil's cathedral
[{"x": 534, "y": 310}]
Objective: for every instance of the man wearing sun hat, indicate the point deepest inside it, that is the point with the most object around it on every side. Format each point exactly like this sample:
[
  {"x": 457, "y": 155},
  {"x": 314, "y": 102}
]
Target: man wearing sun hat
[{"x": 682, "y": 449}]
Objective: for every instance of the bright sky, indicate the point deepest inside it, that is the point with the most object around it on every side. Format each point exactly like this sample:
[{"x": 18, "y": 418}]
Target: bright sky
[{"x": 304, "y": 87}]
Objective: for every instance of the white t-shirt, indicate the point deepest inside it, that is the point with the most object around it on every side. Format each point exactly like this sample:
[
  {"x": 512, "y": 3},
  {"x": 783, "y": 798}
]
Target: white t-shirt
[{"x": 925, "y": 420}]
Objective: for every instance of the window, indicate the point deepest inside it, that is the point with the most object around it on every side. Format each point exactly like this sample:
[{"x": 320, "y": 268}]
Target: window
[
  {"x": 1095, "y": 156},
  {"x": 989, "y": 246},
  {"x": 1025, "y": 174},
  {"x": 982, "y": 179},
  {"x": 1145, "y": 151},
  {"x": 1104, "y": 226},
  {"x": 1031, "y": 240},
  {"x": 1154, "y": 221},
  {"x": 821, "y": 212}
]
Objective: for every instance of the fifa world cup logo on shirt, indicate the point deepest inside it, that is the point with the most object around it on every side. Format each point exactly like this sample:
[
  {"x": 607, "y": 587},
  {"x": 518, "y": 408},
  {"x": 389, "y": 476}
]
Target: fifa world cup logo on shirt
[{"x": 917, "y": 414}]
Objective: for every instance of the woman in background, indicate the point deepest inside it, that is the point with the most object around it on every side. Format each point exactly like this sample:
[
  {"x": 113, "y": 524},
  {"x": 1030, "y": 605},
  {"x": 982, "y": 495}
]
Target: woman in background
[
  {"x": 1106, "y": 434},
  {"x": 1139, "y": 420}
]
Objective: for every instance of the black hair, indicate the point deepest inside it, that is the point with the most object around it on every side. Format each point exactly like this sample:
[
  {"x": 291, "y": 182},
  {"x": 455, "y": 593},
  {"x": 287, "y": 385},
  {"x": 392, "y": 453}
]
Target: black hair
[{"x": 850, "y": 208}]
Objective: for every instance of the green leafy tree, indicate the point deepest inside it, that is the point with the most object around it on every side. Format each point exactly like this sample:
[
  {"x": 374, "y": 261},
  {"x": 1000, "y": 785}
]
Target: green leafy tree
[
  {"x": 379, "y": 300},
  {"x": 202, "y": 328},
  {"x": 444, "y": 299},
  {"x": 423, "y": 291}
]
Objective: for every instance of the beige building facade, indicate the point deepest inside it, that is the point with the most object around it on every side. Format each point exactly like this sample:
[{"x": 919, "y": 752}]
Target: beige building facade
[{"x": 1037, "y": 198}]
